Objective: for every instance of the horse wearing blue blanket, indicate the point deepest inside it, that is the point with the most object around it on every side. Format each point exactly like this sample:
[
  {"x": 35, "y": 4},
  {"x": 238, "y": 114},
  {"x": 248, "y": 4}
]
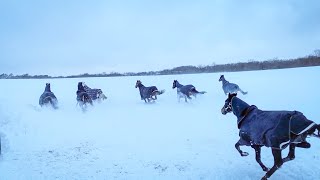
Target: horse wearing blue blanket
[
  {"x": 274, "y": 129},
  {"x": 186, "y": 91},
  {"x": 230, "y": 87},
  {"x": 48, "y": 98},
  {"x": 83, "y": 98},
  {"x": 148, "y": 94}
]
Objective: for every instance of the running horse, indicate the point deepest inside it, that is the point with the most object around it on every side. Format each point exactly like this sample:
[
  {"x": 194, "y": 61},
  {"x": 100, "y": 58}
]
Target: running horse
[
  {"x": 274, "y": 129},
  {"x": 148, "y": 94},
  {"x": 230, "y": 87},
  {"x": 48, "y": 98},
  {"x": 83, "y": 97},
  {"x": 186, "y": 91}
]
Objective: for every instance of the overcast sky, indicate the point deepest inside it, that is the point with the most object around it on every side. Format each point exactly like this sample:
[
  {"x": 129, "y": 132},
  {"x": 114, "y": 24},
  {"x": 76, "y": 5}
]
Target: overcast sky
[{"x": 63, "y": 37}]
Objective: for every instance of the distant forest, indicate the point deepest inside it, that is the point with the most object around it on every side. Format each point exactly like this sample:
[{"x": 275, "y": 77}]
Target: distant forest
[{"x": 311, "y": 60}]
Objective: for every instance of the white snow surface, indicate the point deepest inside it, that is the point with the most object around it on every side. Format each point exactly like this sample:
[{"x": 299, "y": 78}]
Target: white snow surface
[{"x": 125, "y": 138}]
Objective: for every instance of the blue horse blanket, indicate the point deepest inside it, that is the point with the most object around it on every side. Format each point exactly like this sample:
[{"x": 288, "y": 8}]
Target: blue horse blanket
[
  {"x": 48, "y": 97},
  {"x": 269, "y": 128}
]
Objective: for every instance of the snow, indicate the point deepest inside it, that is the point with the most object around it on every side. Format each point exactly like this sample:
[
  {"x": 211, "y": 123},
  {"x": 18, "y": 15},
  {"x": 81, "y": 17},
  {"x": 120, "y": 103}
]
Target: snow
[{"x": 124, "y": 138}]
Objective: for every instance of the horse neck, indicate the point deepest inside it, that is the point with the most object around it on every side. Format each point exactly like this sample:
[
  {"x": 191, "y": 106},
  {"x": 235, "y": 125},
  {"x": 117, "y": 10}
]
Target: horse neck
[
  {"x": 141, "y": 86},
  {"x": 224, "y": 81},
  {"x": 238, "y": 106},
  {"x": 178, "y": 85},
  {"x": 80, "y": 88},
  {"x": 47, "y": 89}
]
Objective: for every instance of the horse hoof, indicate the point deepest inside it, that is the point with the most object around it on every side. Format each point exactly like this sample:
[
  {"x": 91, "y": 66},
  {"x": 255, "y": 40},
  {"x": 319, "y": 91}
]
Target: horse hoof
[
  {"x": 304, "y": 145},
  {"x": 244, "y": 154},
  {"x": 265, "y": 169}
]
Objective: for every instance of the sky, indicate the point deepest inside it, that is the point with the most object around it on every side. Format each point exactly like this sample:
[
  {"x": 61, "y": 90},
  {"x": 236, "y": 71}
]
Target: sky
[{"x": 75, "y": 37}]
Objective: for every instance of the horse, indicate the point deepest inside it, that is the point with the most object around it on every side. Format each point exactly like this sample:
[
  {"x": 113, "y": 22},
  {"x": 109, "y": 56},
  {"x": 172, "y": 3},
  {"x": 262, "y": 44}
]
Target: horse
[
  {"x": 148, "y": 94},
  {"x": 274, "y": 129},
  {"x": 230, "y": 87},
  {"x": 95, "y": 94},
  {"x": 185, "y": 91},
  {"x": 83, "y": 98},
  {"x": 48, "y": 98}
]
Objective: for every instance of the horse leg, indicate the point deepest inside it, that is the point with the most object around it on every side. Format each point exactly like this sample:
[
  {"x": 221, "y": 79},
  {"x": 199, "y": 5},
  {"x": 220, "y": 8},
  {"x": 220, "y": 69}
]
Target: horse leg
[
  {"x": 237, "y": 146},
  {"x": 277, "y": 163},
  {"x": 257, "y": 149},
  {"x": 291, "y": 154}
]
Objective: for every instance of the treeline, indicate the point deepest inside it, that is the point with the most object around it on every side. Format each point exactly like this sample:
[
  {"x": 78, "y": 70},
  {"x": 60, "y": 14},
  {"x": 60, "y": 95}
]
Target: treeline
[{"x": 312, "y": 60}]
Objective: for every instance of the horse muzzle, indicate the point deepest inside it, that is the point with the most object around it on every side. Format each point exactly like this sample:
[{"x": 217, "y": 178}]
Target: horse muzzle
[{"x": 223, "y": 111}]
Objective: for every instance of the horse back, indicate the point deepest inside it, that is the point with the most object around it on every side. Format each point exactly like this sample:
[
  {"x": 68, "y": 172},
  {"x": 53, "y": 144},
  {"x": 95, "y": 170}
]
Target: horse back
[
  {"x": 47, "y": 97},
  {"x": 273, "y": 128},
  {"x": 186, "y": 89},
  {"x": 146, "y": 92}
]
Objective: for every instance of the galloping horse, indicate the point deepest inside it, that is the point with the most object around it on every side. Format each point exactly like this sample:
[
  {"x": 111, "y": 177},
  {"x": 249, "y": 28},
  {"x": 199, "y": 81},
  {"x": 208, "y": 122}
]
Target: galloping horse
[
  {"x": 148, "y": 93},
  {"x": 230, "y": 87},
  {"x": 48, "y": 98},
  {"x": 82, "y": 97},
  {"x": 275, "y": 129},
  {"x": 185, "y": 91}
]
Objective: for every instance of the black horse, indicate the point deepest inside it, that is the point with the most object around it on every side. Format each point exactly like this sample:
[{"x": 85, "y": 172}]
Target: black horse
[
  {"x": 148, "y": 93},
  {"x": 185, "y": 91},
  {"x": 275, "y": 129},
  {"x": 48, "y": 98},
  {"x": 83, "y": 99}
]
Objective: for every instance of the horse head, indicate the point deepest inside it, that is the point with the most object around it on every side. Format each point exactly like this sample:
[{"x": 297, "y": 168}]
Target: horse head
[
  {"x": 174, "y": 84},
  {"x": 227, "y": 108},
  {"x": 221, "y": 78},
  {"x": 138, "y": 83},
  {"x": 80, "y": 86},
  {"x": 47, "y": 87}
]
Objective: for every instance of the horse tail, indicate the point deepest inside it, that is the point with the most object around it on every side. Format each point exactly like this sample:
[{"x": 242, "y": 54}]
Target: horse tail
[
  {"x": 157, "y": 92},
  {"x": 197, "y": 92}
]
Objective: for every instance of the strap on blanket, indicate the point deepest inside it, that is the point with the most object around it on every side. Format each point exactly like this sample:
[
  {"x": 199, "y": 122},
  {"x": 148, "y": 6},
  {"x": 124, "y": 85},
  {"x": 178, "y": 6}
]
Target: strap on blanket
[
  {"x": 284, "y": 144},
  {"x": 244, "y": 115}
]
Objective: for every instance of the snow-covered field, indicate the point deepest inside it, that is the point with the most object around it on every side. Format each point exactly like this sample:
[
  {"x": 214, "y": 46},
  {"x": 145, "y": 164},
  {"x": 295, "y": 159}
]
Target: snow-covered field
[{"x": 124, "y": 138}]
